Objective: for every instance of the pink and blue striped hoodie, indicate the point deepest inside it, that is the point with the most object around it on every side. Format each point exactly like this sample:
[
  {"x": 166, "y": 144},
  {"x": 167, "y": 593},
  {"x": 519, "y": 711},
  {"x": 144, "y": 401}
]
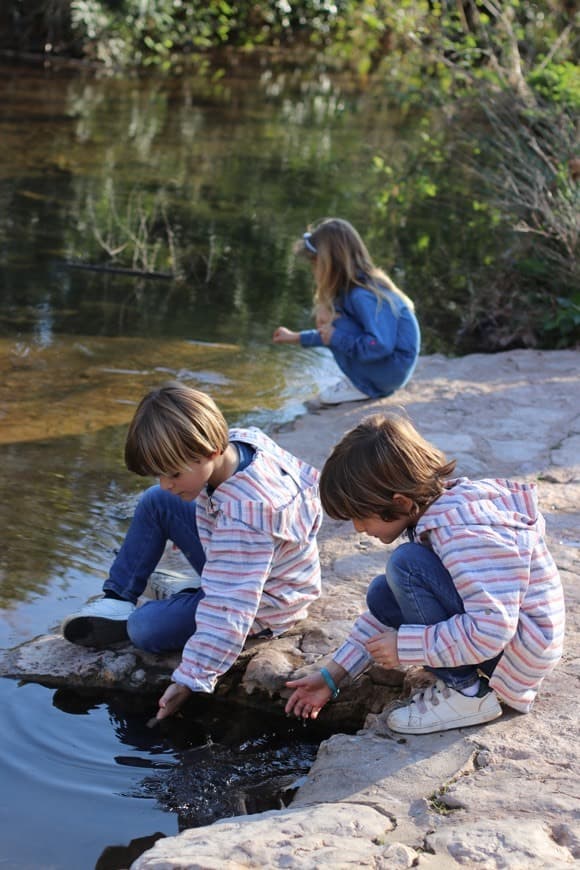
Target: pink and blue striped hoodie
[
  {"x": 489, "y": 534},
  {"x": 258, "y": 530}
]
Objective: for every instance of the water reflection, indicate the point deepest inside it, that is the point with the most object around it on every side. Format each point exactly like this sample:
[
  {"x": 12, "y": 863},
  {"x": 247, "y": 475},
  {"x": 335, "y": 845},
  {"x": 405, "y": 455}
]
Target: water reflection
[
  {"x": 88, "y": 765},
  {"x": 227, "y": 174}
]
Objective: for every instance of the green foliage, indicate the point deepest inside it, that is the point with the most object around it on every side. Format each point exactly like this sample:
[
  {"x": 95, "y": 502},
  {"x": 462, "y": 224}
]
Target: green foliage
[
  {"x": 150, "y": 32},
  {"x": 167, "y": 33},
  {"x": 505, "y": 269},
  {"x": 500, "y": 172},
  {"x": 563, "y": 328},
  {"x": 559, "y": 83},
  {"x": 421, "y": 48}
]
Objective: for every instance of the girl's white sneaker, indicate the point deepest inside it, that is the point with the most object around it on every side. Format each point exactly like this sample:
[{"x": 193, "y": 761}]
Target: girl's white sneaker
[{"x": 342, "y": 391}]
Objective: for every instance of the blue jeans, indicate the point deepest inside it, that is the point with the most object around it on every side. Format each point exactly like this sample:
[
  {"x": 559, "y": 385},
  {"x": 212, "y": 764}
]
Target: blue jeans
[
  {"x": 165, "y": 625},
  {"x": 418, "y": 590}
]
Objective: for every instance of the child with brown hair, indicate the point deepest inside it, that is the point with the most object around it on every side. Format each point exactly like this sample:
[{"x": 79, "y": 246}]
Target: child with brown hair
[
  {"x": 361, "y": 315},
  {"x": 245, "y": 514},
  {"x": 474, "y": 596}
]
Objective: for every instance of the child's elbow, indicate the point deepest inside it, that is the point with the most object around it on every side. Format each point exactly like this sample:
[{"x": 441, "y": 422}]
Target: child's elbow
[{"x": 500, "y": 636}]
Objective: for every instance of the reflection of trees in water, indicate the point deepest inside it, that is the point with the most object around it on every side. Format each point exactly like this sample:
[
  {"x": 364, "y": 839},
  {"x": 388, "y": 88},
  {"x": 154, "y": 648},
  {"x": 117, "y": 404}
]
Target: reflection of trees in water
[
  {"x": 240, "y": 167},
  {"x": 56, "y": 512},
  {"x": 236, "y": 171}
]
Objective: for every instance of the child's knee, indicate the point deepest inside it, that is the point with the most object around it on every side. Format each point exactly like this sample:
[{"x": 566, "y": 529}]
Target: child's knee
[
  {"x": 142, "y": 631},
  {"x": 376, "y": 592},
  {"x": 401, "y": 564},
  {"x": 402, "y": 555}
]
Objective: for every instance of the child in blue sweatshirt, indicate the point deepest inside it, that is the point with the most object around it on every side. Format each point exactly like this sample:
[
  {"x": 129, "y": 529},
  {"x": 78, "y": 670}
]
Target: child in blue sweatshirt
[{"x": 361, "y": 315}]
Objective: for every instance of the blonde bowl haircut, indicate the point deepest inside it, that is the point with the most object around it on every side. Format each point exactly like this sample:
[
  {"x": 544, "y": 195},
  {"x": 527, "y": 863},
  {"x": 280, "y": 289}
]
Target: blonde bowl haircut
[
  {"x": 342, "y": 262},
  {"x": 379, "y": 458},
  {"x": 172, "y": 426}
]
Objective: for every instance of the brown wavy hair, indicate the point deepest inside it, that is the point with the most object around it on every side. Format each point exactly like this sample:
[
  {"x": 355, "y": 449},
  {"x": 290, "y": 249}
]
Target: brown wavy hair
[
  {"x": 173, "y": 425},
  {"x": 378, "y": 458}
]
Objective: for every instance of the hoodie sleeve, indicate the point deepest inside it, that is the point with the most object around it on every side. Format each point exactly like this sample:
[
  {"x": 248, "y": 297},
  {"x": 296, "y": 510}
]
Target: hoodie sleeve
[
  {"x": 369, "y": 333},
  {"x": 237, "y": 567},
  {"x": 352, "y": 655},
  {"x": 490, "y": 569},
  {"x": 311, "y": 338}
]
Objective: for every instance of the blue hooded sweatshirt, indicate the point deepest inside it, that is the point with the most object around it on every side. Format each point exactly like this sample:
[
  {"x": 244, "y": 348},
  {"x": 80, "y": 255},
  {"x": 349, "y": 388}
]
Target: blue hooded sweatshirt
[{"x": 376, "y": 342}]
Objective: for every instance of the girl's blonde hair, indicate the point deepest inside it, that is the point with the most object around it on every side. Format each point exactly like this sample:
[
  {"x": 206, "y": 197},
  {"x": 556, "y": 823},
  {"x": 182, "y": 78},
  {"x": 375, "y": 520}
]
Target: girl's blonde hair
[
  {"x": 378, "y": 458},
  {"x": 173, "y": 425},
  {"x": 341, "y": 261}
]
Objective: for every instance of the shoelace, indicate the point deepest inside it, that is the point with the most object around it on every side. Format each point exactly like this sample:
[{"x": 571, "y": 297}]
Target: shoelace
[
  {"x": 342, "y": 384},
  {"x": 430, "y": 695}
]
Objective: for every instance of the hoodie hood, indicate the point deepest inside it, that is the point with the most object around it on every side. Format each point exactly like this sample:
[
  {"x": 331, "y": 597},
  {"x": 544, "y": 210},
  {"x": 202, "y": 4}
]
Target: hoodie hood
[
  {"x": 277, "y": 493},
  {"x": 484, "y": 502}
]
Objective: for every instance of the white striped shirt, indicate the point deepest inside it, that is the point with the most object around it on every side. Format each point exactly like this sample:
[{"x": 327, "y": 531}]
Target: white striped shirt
[
  {"x": 258, "y": 530},
  {"x": 489, "y": 534}
]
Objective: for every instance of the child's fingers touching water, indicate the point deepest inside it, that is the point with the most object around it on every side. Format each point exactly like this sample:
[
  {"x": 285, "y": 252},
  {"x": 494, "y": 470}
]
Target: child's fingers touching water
[{"x": 309, "y": 696}]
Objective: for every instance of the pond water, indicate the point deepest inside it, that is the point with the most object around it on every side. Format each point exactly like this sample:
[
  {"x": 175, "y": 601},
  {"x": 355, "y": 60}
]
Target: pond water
[{"x": 209, "y": 180}]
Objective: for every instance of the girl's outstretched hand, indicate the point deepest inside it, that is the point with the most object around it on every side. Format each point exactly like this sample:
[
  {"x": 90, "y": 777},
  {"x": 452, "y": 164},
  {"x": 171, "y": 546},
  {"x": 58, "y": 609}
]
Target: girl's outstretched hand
[
  {"x": 310, "y": 695},
  {"x": 172, "y": 699},
  {"x": 285, "y": 336},
  {"x": 383, "y": 648}
]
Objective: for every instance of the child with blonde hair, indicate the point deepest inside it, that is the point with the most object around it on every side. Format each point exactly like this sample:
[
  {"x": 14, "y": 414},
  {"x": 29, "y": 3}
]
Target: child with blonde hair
[
  {"x": 474, "y": 596},
  {"x": 245, "y": 514},
  {"x": 361, "y": 315}
]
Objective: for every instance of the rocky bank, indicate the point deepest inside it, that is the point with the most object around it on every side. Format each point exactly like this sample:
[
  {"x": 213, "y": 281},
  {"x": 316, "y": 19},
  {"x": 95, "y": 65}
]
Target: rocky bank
[{"x": 501, "y": 795}]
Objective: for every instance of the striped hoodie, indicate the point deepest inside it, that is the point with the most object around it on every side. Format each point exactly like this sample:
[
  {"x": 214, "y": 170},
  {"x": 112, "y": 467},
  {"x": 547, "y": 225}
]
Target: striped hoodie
[
  {"x": 489, "y": 534},
  {"x": 258, "y": 530}
]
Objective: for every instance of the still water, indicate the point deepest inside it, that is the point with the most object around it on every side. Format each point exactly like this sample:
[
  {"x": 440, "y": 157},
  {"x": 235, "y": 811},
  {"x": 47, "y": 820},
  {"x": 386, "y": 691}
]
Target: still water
[{"x": 208, "y": 182}]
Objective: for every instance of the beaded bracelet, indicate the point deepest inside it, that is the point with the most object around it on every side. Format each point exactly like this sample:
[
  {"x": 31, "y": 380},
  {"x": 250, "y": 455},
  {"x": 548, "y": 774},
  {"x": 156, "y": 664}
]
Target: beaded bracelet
[{"x": 330, "y": 683}]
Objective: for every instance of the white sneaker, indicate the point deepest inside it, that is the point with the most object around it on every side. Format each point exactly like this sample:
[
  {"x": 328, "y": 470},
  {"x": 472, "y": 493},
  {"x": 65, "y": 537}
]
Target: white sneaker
[
  {"x": 342, "y": 391},
  {"x": 99, "y": 624},
  {"x": 439, "y": 708}
]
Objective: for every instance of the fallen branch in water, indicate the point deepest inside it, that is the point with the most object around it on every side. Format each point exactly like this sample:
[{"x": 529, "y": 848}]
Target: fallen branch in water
[{"x": 118, "y": 270}]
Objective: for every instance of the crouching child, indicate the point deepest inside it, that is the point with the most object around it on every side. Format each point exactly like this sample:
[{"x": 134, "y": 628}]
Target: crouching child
[
  {"x": 474, "y": 595},
  {"x": 243, "y": 511}
]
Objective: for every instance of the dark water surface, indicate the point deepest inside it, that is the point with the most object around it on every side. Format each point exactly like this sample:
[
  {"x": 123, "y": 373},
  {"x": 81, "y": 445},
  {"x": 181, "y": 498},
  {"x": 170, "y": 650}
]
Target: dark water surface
[
  {"x": 83, "y": 775},
  {"x": 212, "y": 181}
]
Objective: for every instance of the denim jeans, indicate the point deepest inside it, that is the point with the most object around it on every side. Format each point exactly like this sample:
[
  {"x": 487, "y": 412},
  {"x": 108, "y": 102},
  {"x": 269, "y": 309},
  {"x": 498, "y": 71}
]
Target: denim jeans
[
  {"x": 418, "y": 590},
  {"x": 158, "y": 626}
]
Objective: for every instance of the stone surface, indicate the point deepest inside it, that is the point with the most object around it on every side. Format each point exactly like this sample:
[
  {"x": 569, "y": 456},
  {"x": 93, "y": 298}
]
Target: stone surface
[{"x": 502, "y": 795}]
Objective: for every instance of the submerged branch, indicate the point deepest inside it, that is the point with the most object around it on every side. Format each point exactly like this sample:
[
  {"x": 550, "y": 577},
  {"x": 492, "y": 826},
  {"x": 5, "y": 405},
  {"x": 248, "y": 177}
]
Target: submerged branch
[{"x": 118, "y": 270}]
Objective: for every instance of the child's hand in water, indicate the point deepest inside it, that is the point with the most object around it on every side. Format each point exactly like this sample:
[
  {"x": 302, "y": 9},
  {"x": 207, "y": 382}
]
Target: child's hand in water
[
  {"x": 309, "y": 697},
  {"x": 383, "y": 648},
  {"x": 172, "y": 699},
  {"x": 285, "y": 336}
]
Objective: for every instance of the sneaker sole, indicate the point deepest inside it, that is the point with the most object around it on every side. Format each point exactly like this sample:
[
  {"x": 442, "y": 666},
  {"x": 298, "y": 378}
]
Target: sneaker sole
[
  {"x": 95, "y": 632},
  {"x": 329, "y": 403}
]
